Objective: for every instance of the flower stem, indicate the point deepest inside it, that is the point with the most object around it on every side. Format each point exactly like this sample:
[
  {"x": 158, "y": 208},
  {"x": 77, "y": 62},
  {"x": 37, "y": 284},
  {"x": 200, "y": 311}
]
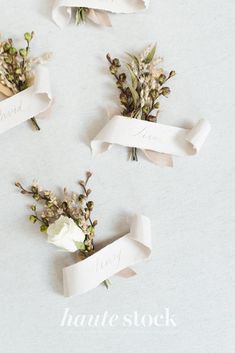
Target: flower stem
[
  {"x": 107, "y": 283},
  {"x": 134, "y": 156},
  {"x": 35, "y": 124}
]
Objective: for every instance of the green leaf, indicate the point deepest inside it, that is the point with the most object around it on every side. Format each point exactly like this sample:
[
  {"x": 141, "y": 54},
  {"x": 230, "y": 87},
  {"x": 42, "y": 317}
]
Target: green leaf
[
  {"x": 80, "y": 245},
  {"x": 134, "y": 84},
  {"x": 134, "y": 79},
  {"x": 150, "y": 55},
  {"x": 77, "y": 17},
  {"x": 135, "y": 59},
  {"x": 80, "y": 14},
  {"x": 135, "y": 95}
]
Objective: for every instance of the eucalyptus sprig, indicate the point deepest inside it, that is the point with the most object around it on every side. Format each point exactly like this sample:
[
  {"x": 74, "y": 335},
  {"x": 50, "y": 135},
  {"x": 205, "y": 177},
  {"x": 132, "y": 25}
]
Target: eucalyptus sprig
[{"x": 141, "y": 84}]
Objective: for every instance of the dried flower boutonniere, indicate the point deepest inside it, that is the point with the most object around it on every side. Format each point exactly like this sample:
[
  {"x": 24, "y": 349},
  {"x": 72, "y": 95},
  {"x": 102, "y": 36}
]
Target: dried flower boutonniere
[
  {"x": 68, "y": 223},
  {"x": 141, "y": 84},
  {"x": 17, "y": 68}
]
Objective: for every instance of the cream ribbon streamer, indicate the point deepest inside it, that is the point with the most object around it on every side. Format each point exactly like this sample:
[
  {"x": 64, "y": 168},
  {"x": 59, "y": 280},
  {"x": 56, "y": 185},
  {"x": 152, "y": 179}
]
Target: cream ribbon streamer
[
  {"x": 157, "y": 141},
  {"x": 62, "y": 9},
  {"x": 115, "y": 258},
  {"x": 28, "y": 103}
]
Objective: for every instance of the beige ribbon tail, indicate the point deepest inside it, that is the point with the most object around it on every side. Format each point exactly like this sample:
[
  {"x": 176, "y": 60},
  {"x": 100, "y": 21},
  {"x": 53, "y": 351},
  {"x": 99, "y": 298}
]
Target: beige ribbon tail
[
  {"x": 99, "y": 17},
  {"x": 160, "y": 159},
  {"x": 126, "y": 273}
]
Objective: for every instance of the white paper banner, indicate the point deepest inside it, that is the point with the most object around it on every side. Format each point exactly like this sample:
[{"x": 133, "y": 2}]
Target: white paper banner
[
  {"x": 28, "y": 103},
  {"x": 62, "y": 9},
  {"x": 156, "y": 140},
  {"x": 115, "y": 258}
]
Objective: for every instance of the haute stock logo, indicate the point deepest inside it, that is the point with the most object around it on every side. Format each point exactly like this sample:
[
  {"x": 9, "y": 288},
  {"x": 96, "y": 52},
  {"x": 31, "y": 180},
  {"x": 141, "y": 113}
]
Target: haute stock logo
[{"x": 129, "y": 320}]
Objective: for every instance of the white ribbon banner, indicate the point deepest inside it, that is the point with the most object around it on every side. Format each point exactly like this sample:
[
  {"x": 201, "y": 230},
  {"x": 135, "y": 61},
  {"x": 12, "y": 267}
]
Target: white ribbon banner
[
  {"x": 28, "y": 103},
  {"x": 157, "y": 141},
  {"x": 115, "y": 258},
  {"x": 62, "y": 9}
]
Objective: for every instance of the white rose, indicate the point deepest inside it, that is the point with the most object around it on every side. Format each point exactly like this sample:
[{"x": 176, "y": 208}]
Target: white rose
[{"x": 64, "y": 233}]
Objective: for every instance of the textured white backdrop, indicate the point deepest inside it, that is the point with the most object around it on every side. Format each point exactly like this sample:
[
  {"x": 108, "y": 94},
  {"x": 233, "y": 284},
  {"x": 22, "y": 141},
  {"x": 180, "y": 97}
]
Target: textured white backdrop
[{"x": 191, "y": 206}]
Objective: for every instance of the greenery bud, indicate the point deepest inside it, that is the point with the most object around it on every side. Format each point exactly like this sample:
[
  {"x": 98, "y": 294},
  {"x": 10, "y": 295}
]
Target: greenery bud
[
  {"x": 28, "y": 36},
  {"x": 43, "y": 228},
  {"x": 116, "y": 62},
  {"x": 33, "y": 219},
  {"x": 12, "y": 51},
  {"x": 90, "y": 205},
  {"x": 162, "y": 79},
  {"x": 165, "y": 91},
  {"x": 6, "y": 47},
  {"x": 172, "y": 73},
  {"x": 23, "y": 53}
]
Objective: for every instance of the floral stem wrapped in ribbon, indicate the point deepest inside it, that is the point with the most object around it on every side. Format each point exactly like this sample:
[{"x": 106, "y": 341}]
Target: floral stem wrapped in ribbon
[
  {"x": 27, "y": 90},
  {"x": 142, "y": 84},
  {"x": 141, "y": 91},
  {"x": 94, "y": 10},
  {"x": 69, "y": 226}
]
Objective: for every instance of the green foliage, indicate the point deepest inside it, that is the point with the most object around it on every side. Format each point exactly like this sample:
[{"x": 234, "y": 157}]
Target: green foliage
[{"x": 80, "y": 15}]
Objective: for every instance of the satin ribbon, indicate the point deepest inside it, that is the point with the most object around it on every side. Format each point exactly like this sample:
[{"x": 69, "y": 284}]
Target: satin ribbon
[
  {"x": 62, "y": 9},
  {"x": 26, "y": 104},
  {"x": 115, "y": 258},
  {"x": 158, "y": 142},
  {"x": 99, "y": 17}
]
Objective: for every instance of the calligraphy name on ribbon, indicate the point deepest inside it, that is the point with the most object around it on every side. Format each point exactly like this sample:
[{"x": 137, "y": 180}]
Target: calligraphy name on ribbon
[
  {"x": 110, "y": 262},
  {"x": 10, "y": 114}
]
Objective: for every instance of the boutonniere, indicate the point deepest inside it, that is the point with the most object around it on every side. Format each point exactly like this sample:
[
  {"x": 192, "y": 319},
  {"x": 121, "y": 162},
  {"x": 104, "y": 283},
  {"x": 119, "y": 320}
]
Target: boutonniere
[
  {"x": 69, "y": 225},
  {"x": 24, "y": 84},
  {"x": 93, "y": 10},
  {"x": 142, "y": 84}
]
